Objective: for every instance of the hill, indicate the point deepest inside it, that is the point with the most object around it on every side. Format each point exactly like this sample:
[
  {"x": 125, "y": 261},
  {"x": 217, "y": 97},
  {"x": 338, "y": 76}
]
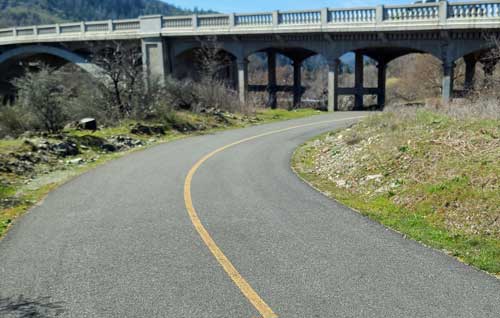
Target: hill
[{"x": 29, "y": 12}]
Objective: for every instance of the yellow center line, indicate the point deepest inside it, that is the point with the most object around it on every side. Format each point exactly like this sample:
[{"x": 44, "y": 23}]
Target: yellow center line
[{"x": 226, "y": 264}]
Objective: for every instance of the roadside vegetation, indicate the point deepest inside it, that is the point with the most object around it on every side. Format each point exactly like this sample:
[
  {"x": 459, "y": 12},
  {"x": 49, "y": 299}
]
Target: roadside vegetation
[{"x": 426, "y": 170}]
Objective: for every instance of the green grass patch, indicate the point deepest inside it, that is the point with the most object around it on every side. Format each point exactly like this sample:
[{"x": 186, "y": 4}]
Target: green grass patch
[{"x": 271, "y": 115}]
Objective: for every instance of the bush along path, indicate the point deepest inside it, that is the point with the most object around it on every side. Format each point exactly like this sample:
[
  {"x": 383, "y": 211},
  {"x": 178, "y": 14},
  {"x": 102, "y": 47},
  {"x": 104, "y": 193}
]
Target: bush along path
[
  {"x": 34, "y": 164},
  {"x": 433, "y": 178}
]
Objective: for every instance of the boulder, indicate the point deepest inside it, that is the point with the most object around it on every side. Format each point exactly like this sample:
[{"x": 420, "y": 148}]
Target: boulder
[
  {"x": 88, "y": 124},
  {"x": 140, "y": 129},
  {"x": 65, "y": 149},
  {"x": 109, "y": 148},
  {"x": 124, "y": 142},
  {"x": 76, "y": 161},
  {"x": 88, "y": 141}
]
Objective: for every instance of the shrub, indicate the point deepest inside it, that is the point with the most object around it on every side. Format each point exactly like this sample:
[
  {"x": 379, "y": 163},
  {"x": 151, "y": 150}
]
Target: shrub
[
  {"x": 42, "y": 94},
  {"x": 216, "y": 94},
  {"x": 11, "y": 121}
]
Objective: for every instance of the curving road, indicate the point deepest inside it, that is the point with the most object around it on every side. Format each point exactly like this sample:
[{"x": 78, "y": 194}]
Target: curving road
[{"x": 119, "y": 242}]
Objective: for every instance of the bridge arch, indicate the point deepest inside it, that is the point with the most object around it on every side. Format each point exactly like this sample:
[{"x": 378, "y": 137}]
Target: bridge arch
[
  {"x": 390, "y": 51},
  {"x": 66, "y": 55},
  {"x": 188, "y": 62},
  {"x": 293, "y": 52},
  {"x": 280, "y": 69}
]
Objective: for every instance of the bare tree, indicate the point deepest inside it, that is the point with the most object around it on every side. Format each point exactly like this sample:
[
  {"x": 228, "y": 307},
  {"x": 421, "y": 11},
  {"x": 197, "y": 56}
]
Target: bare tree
[
  {"x": 122, "y": 67},
  {"x": 213, "y": 60}
]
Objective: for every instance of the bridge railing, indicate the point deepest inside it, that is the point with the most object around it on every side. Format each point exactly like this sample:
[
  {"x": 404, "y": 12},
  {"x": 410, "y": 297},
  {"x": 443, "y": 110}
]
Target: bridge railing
[
  {"x": 475, "y": 10},
  {"x": 73, "y": 28},
  {"x": 415, "y": 12},
  {"x": 440, "y": 14},
  {"x": 380, "y": 15},
  {"x": 356, "y": 15},
  {"x": 299, "y": 17},
  {"x": 253, "y": 19}
]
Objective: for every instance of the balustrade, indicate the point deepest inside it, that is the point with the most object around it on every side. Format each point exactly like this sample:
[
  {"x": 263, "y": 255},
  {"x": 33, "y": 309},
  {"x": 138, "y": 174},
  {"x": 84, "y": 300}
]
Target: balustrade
[
  {"x": 97, "y": 27},
  {"x": 213, "y": 21},
  {"x": 47, "y": 30},
  {"x": 25, "y": 32},
  {"x": 300, "y": 17},
  {"x": 362, "y": 15},
  {"x": 409, "y": 13},
  {"x": 174, "y": 23},
  {"x": 127, "y": 25},
  {"x": 441, "y": 13},
  {"x": 73, "y": 28},
  {"x": 474, "y": 10},
  {"x": 253, "y": 19}
]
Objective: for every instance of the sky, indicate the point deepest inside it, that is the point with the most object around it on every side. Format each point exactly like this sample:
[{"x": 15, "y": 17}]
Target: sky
[{"x": 228, "y": 6}]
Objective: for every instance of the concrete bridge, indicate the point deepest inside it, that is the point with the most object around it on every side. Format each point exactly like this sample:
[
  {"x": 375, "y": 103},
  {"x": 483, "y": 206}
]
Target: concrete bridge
[{"x": 448, "y": 31}]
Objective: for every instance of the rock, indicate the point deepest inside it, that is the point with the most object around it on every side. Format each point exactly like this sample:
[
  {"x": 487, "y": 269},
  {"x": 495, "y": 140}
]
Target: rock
[
  {"x": 341, "y": 183},
  {"x": 109, "y": 148},
  {"x": 76, "y": 161},
  {"x": 31, "y": 144},
  {"x": 140, "y": 129},
  {"x": 65, "y": 149},
  {"x": 375, "y": 177},
  {"x": 88, "y": 124},
  {"x": 27, "y": 156},
  {"x": 184, "y": 127},
  {"x": 11, "y": 164},
  {"x": 124, "y": 142},
  {"x": 88, "y": 141}
]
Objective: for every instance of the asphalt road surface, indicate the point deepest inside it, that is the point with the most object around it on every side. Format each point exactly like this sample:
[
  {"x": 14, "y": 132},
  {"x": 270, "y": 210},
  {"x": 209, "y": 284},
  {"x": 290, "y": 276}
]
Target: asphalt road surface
[{"x": 119, "y": 242}]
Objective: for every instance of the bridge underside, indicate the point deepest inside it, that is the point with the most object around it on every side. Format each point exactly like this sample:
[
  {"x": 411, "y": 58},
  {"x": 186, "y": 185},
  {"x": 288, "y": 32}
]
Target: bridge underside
[
  {"x": 180, "y": 57},
  {"x": 447, "y": 46}
]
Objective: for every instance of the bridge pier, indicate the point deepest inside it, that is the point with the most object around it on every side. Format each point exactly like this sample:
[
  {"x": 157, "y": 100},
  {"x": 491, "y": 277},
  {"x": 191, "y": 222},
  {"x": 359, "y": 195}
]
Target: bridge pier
[
  {"x": 242, "y": 79},
  {"x": 382, "y": 74},
  {"x": 470, "y": 70},
  {"x": 153, "y": 60},
  {"x": 271, "y": 79},
  {"x": 358, "y": 81},
  {"x": 153, "y": 49},
  {"x": 333, "y": 83},
  {"x": 297, "y": 82},
  {"x": 447, "y": 84}
]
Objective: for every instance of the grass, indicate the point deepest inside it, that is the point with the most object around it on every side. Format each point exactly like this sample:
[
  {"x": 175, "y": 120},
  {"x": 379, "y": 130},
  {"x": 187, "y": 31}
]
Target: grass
[
  {"x": 427, "y": 175},
  {"x": 20, "y": 193}
]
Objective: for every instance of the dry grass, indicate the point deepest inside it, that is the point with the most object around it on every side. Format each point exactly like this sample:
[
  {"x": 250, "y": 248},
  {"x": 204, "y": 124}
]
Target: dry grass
[{"x": 432, "y": 175}]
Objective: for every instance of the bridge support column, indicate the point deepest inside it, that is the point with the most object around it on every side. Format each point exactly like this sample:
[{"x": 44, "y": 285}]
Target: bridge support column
[
  {"x": 233, "y": 75},
  {"x": 470, "y": 70},
  {"x": 359, "y": 81},
  {"x": 382, "y": 72},
  {"x": 333, "y": 83},
  {"x": 153, "y": 60},
  {"x": 271, "y": 79},
  {"x": 447, "y": 89},
  {"x": 243, "y": 79},
  {"x": 297, "y": 83}
]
